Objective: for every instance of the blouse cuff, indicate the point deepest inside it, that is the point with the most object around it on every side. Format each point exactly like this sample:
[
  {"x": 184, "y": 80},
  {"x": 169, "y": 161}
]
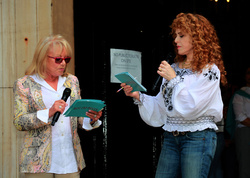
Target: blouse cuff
[
  {"x": 43, "y": 115},
  {"x": 87, "y": 126},
  {"x": 137, "y": 102},
  {"x": 173, "y": 82}
]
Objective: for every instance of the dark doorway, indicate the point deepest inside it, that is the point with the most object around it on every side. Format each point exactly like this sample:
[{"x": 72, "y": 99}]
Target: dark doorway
[{"x": 125, "y": 146}]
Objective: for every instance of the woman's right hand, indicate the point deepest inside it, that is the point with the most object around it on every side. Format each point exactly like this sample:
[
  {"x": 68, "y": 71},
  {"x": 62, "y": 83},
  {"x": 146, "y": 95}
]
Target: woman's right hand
[
  {"x": 128, "y": 91},
  {"x": 58, "y": 105}
]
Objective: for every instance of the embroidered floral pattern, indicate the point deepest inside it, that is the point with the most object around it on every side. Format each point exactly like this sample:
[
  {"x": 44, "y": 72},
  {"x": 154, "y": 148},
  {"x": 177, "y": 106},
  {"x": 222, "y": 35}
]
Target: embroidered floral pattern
[
  {"x": 167, "y": 95},
  {"x": 211, "y": 75},
  {"x": 167, "y": 90}
]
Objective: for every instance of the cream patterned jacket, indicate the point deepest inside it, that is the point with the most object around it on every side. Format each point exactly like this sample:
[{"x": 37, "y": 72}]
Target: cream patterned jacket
[{"x": 36, "y": 149}]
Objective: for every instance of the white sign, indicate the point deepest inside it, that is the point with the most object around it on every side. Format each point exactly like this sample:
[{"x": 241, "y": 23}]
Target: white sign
[{"x": 125, "y": 61}]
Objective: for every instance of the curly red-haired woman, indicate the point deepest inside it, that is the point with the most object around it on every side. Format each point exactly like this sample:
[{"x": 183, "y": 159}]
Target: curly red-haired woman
[{"x": 189, "y": 102}]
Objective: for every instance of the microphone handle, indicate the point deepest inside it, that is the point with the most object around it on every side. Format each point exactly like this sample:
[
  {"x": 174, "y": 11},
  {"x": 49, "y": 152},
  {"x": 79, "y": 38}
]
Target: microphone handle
[
  {"x": 156, "y": 83},
  {"x": 158, "y": 79},
  {"x": 55, "y": 118},
  {"x": 168, "y": 59},
  {"x": 66, "y": 94}
]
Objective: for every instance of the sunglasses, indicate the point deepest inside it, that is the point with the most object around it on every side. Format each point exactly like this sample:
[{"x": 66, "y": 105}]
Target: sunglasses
[{"x": 59, "y": 60}]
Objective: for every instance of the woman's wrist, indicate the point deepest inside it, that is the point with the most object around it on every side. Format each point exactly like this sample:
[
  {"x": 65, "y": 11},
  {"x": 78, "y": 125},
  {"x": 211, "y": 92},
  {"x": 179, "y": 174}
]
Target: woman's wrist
[
  {"x": 137, "y": 96},
  {"x": 92, "y": 123}
]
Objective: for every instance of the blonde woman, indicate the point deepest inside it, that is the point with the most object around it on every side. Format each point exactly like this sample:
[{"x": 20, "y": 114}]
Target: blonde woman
[{"x": 50, "y": 151}]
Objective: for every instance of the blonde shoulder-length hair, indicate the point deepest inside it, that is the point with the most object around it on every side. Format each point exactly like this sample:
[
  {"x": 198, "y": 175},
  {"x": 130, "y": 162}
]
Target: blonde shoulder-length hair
[{"x": 38, "y": 64}]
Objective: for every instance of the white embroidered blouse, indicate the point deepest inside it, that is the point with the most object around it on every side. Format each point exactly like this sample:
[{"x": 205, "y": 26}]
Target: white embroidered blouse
[{"x": 189, "y": 102}]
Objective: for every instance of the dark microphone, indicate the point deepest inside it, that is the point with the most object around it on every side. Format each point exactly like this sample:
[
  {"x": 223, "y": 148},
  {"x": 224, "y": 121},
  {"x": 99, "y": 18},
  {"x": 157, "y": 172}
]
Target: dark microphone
[
  {"x": 168, "y": 59},
  {"x": 66, "y": 94}
]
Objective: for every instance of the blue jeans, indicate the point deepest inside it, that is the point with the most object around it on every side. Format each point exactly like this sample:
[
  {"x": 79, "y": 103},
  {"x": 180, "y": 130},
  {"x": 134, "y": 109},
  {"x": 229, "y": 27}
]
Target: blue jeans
[
  {"x": 216, "y": 170},
  {"x": 187, "y": 156}
]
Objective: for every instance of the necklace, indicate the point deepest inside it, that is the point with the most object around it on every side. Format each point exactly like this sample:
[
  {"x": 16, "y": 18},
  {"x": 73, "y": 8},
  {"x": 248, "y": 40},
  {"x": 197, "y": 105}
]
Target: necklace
[{"x": 186, "y": 65}]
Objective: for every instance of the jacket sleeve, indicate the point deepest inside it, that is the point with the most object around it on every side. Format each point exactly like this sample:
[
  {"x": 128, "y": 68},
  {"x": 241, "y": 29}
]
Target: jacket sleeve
[{"x": 25, "y": 111}]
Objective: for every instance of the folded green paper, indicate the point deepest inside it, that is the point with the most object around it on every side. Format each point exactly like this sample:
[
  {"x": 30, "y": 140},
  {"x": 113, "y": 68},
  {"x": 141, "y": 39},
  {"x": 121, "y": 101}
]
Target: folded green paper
[
  {"x": 81, "y": 106},
  {"x": 126, "y": 77}
]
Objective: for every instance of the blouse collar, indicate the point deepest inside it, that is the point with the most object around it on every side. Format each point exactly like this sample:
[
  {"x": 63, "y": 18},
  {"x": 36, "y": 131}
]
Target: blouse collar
[{"x": 42, "y": 82}]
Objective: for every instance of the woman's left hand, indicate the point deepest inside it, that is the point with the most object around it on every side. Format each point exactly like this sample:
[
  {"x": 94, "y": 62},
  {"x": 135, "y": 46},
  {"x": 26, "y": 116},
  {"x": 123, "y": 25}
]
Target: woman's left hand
[
  {"x": 93, "y": 115},
  {"x": 166, "y": 71}
]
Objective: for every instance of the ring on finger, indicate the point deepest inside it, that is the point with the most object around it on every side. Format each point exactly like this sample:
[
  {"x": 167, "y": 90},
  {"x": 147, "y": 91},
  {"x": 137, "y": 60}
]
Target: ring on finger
[
  {"x": 60, "y": 107},
  {"x": 95, "y": 116}
]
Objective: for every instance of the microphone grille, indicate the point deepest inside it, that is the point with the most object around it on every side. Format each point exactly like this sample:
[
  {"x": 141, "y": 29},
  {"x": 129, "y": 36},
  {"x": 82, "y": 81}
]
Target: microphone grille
[{"x": 67, "y": 92}]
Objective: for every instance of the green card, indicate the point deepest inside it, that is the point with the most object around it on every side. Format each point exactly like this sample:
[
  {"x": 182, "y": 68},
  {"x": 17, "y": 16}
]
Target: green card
[
  {"x": 126, "y": 77},
  {"x": 81, "y": 106}
]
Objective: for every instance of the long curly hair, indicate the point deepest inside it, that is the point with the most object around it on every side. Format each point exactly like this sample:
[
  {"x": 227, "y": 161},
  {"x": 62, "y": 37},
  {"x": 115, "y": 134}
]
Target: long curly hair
[{"x": 206, "y": 47}]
